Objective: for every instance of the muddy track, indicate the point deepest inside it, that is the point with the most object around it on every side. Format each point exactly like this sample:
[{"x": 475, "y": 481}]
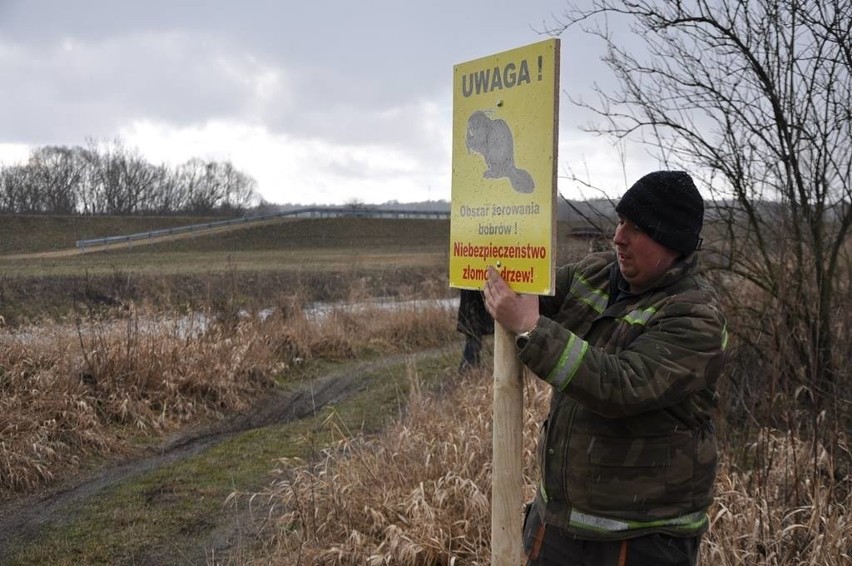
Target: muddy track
[{"x": 21, "y": 520}]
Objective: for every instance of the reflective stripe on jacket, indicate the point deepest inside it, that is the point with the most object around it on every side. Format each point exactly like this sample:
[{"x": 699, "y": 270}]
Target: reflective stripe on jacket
[{"x": 629, "y": 445}]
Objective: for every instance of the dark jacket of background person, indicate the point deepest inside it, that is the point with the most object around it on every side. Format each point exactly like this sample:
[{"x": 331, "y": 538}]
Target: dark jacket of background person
[
  {"x": 472, "y": 318},
  {"x": 474, "y": 322},
  {"x": 629, "y": 447}
]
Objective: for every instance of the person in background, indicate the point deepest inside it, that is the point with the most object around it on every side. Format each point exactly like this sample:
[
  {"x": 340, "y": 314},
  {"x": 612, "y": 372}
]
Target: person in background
[
  {"x": 632, "y": 343},
  {"x": 475, "y": 323}
]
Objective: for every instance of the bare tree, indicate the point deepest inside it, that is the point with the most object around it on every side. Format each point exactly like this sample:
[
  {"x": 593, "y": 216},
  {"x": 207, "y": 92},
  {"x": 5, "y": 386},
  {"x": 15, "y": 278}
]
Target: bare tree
[
  {"x": 202, "y": 185},
  {"x": 127, "y": 179},
  {"x": 104, "y": 182},
  {"x": 58, "y": 173},
  {"x": 212, "y": 186},
  {"x": 110, "y": 178},
  {"x": 167, "y": 195},
  {"x": 239, "y": 189},
  {"x": 89, "y": 190},
  {"x": 13, "y": 189},
  {"x": 755, "y": 98}
]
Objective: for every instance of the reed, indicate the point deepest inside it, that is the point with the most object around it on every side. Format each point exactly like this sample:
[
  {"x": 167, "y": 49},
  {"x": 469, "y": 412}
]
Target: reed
[
  {"x": 420, "y": 493},
  {"x": 107, "y": 383}
]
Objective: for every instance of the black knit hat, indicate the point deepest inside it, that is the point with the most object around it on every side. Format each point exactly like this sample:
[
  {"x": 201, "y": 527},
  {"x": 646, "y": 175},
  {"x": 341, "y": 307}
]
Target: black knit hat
[{"x": 668, "y": 207}]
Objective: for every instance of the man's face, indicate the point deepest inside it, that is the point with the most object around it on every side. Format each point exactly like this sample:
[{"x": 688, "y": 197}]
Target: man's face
[{"x": 641, "y": 259}]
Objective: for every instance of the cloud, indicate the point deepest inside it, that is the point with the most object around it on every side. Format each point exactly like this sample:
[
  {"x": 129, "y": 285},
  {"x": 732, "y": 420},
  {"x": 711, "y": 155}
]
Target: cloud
[
  {"x": 309, "y": 169},
  {"x": 317, "y": 103},
  {"x": 14, "y": 153},
  {"x": 176, "y": 95},
  {"x": 54, "y": 92}
]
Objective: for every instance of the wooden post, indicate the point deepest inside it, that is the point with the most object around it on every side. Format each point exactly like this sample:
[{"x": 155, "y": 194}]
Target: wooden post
[{"x": 507, "y": 437}]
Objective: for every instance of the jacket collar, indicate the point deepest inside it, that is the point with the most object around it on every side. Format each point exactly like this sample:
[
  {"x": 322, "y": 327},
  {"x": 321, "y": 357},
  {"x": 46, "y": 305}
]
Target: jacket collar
[{"x": 619, "y": 288}]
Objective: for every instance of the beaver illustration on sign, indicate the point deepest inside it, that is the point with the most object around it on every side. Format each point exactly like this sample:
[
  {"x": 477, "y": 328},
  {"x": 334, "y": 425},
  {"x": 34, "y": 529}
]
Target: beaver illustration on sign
[{"x": 493, "y": 140}]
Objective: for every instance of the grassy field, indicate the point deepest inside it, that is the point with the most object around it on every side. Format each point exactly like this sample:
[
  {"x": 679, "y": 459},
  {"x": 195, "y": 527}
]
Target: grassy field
[
  {"x": 83, "y": 390},
  {"x": 300, "y": 244},
  {"x": 397, "y": 471},
  {"x": 28, "y": 234},
  {"x": 132, "y": 390},
  {"x": 312, "y": 259},
  {"x": 321, "y": 259},
  {"x": 87, "y": 390}
]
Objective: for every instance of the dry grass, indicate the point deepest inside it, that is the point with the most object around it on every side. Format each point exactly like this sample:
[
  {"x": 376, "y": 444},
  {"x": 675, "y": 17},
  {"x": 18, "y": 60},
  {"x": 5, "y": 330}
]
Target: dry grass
[
  {"x": 70, "y": 395},
  {"x": 791, "y": 508},
  {"x": 420, "y": 494},
  {"x": 97, "y": 387}
]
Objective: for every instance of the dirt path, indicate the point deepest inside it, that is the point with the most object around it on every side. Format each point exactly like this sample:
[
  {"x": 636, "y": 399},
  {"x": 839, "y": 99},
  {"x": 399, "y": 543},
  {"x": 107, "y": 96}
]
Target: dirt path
[{"x": 21, "y": 520}]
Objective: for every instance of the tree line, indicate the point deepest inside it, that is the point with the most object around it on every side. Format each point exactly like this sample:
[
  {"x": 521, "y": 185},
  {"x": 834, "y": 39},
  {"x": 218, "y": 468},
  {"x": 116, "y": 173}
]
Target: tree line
[{"x": 102, "y": 179}]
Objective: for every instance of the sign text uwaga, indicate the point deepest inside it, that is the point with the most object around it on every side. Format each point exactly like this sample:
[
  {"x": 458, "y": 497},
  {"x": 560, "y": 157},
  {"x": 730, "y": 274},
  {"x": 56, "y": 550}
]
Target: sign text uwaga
[{"x": 489, "y": 80}]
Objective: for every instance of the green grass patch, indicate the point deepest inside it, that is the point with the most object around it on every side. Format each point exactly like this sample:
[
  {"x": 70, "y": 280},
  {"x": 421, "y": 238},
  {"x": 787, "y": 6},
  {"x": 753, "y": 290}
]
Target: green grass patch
[
  {"x": 36, "y": 233},
  {"x": 312, "y": 244}
]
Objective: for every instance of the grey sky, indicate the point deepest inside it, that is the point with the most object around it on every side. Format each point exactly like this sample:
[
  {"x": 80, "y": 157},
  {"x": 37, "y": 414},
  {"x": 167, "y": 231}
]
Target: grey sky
[{"x": 323, "y": 101}]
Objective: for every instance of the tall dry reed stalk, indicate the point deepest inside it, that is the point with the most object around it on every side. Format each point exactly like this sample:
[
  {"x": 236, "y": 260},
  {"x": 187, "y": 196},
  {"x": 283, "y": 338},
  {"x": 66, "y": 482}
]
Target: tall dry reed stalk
[
  {"x": 790, "y": 508},
  {"x": 68, "y": 395},
  {"x": 420, "y": 494},
  {"x": 71, "y": 392}
]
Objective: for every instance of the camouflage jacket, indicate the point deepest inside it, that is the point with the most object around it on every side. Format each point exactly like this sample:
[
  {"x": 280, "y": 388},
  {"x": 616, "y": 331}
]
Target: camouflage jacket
[{"x": 629, "y": 446}]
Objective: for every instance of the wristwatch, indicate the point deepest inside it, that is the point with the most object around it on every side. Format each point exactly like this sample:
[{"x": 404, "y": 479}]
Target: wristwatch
[{"x": 524, "y": 337}]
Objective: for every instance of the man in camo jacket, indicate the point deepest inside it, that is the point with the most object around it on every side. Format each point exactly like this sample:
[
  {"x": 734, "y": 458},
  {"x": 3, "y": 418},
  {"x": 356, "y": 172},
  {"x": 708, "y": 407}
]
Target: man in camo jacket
[{"x": 632, "y": 344}]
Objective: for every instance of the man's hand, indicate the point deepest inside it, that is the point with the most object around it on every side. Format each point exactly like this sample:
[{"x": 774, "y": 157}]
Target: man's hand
[{"x": 517, "y": 313}]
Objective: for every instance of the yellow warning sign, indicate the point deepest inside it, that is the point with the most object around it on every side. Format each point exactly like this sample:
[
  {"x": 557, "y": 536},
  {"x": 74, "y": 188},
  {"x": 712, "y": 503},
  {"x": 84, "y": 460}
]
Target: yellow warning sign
[{"x": 505, "y": 115}]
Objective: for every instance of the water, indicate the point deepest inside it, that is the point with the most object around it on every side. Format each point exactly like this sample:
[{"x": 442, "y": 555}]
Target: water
[{"x": 196, "y": 324}]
